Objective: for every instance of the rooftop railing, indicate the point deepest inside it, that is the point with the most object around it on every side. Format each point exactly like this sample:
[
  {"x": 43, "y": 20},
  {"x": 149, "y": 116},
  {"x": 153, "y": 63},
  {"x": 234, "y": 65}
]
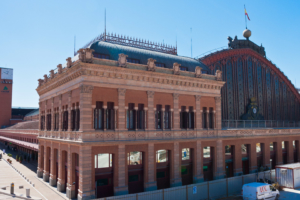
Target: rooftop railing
[{"x": 251, "y": 124}]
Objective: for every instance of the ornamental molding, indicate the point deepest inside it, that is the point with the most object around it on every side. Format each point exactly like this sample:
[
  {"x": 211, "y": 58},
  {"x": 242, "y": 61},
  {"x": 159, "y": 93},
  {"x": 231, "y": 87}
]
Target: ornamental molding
[
  {"x": 122, "y": 61},
  {"x": 175, "y": 96},
  {"x": 151, "y": 64},
  {"x": 176, "y": 68},
  {"x": 86, "y": 88},
  {"x": 94, "y": 70},
  {"x": 245, "y": 54},
  {"x": 121, "y": 91},
  {"x": 150, "y": 94},
  {"x": 198, "y": 97}
]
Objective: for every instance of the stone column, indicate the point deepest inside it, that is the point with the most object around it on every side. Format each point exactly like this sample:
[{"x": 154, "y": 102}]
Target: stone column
[
  {"x": 290, "y": 151},
  {"x": 265, "y": 147},
  {"x": 69, "y": 111},
  {"x": 85, "y": 104},
  {"x": 237, "y": 159},
  {"x": 175, "y": 164},
  {"x": 252, "y": 158},
  {"x": 121, "y": 187},
  {"x": 218, "y": 113},
  {"x": 105, "y": 117},
  {"x": 171, "y": 118},
  {"x": 40, "y": 115},
  {"x": 219, "y": 161},
  {"x": 150, "y": 185},
  {"x": 136, "y": 118},
  {"x": 151, "y": 115},
  {"x": 61, "y": 183},
  {"x": 278, "y": 153},
  {"x": 163, "y": 118},
  {"x": 71, "y": 175},
  {"x": 52, "y": 115},
  {"x": 176, "y": 112},
  {"x": 198, "y": 165},
  {"x": 52, "y": 180},
  {"x": 115, "y": 117},
  {"x": 45, "y": 114},
  {"x": 122, "y": 113},
  {"x": 40, "y": 161},
  {"x": 46, "y": 164},
  {"x": 60, "y": 114},
  {"x": 86, "y": 191},
  {"x": 145, "y": 119}
]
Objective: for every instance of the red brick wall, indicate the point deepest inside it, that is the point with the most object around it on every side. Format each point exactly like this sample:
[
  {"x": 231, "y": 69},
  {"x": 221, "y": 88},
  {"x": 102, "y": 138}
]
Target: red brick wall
[{"x": 5, "y": 102}]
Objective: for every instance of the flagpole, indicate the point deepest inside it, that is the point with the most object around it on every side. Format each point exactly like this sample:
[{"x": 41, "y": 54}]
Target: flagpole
[{"x": 245, "y": 16}]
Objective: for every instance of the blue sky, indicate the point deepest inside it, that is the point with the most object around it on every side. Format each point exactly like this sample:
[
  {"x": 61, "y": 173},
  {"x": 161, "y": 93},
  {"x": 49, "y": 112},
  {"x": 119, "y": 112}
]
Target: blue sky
[{"x": 37, "y": 35}]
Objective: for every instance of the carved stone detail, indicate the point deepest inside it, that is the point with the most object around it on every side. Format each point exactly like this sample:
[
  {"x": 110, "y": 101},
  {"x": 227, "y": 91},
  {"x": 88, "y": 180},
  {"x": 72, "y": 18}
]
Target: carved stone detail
[
  {"x": 198, "y": 72},
  {"x": 198, "y": 97},
  {"x": 89, "y": 55},
  {"x": 69, "y": 62},
  {"x": 150, "y": 94},
  {"x": 86, "y": 88},
  {"x": 45, "y": 78},
  {"x": 121, "y": 91},
  {"x": 59, "y": 67},
  {"x": 176, "y": 68},
  {"x": 217, "y": 99},
  {"x": 122, "y": 60},
  {"x": 40, "y": 82},
  {"x": 219, "y": 75},
  {"x": 151, "y": 64},
  {"x": 175, "y": 96}
]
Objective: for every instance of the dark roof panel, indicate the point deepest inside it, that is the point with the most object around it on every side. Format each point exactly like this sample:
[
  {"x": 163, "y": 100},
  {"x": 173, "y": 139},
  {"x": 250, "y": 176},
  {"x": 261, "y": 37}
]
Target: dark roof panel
[{"x": 113, "y": 50}]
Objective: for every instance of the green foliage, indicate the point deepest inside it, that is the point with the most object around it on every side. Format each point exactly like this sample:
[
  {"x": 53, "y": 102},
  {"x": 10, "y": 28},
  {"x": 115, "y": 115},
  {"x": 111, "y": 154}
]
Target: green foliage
[{"x": 9, "y": 155}]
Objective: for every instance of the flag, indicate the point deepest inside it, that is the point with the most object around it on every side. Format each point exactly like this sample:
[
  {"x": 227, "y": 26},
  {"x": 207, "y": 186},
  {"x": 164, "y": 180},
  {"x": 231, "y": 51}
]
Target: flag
[{"x": 247, "y": 14}]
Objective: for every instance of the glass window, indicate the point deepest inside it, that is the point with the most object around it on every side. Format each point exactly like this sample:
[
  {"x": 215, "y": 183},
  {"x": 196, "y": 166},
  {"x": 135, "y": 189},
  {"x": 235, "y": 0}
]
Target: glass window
[
  {"x": 206, "y": 152},
  {"x": 102, "y": 56},
  {"x": 134, "y": 158},
  {"x": 161, "y": 156},
  {"x": 244, "y": 149},
  {"x": 258, "y": 148},
  {"x": 183, "y": 68},
  {"x": 294, "y": 145},
  {"x": 131, "y": 60},
  {"x": 184, "y": 170},
  {"x": 271, "y": 146},
  {"x": 185, "y": 154},
  {"x": 103, "y": 160},
  {"x": 160, "y": 65},
  {"x": 283, "y": 145},
  {"x": 228, "y": 150}
]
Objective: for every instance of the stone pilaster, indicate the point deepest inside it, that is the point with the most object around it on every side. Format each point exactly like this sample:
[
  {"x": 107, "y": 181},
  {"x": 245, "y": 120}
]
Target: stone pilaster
[
  {"x": 198, "y": 165},
  {"x": 85, "y": 104},
  {"x": 265, "y": 147},
  {"x": 219, "y": 173},
  {"x": 46, "y": 173},
  {"x": 121, "y": 186},
  {"x": 69, "y": 111},
  {"x": 237, "y": 158},
  {"x": 122, "y": 113},
  {"x": 252, "y": 158},
  {"x": 218, "y": 113},
  {"x": 151, "y": 115},
  {"x": 60, "y": 111},
  {"x": 176, "y": 118},
  {"x": 150, "y": 185},
  {"x": 115, "y": 117},
  {"x": 40, "y": 115},
  {"x": 145, "y": 121},
  {"x": 71, "y": 175},
  {"x": 40, "y": 161},
  {"x": 52, "y": 180},
  {"x": 278, "y": 153},
  {"x": 86, "y": 191},
  {"x": 290, "y": 152},
  {"x": 61, "y": 183},
  {"x": 176, "y": 176},
  {"x": 52, "y": 115}
]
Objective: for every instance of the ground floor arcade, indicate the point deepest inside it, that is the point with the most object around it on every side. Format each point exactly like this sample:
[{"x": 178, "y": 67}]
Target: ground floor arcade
[{"x": 104, "y": 169}]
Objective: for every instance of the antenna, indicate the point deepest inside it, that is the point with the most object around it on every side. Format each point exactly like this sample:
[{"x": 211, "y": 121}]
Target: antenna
[
  {"x": 74, "y": 45},
  {"x": 105, "y": 25},
  {"x": 191, "y": 44}
]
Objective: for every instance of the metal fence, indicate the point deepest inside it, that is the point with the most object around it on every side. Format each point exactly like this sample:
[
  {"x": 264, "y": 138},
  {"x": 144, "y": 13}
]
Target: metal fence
[
  {"x": 249, "y": 124},
  {"x": 203, "y": 191}
]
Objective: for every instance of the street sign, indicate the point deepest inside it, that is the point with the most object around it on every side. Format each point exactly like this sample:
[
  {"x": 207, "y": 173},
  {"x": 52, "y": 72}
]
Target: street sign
[{"x": 195, "y": 190}]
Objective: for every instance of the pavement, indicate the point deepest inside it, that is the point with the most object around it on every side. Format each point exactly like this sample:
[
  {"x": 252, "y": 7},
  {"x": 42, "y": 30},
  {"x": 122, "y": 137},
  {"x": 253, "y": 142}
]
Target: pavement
[{"x": 41, "y": 189}]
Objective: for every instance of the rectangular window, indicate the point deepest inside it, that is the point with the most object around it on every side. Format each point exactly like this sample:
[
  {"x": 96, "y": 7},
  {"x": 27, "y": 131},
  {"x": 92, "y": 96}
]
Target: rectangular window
[
  {"x": 102, "y": 56},
  {"x": 159, "y": 117},
  {"x": 258, "y": 148},
  {"x": 271, "y": 146},
  {"x": 206, "y": 152},
  {"x": 65, "y": 120},
  {"x": 99, "y": 115},
  {"x": 183, "y": 68},
  {"x": 110, "y": 116},
  {"x": 103, "y": 160},
  {"x": 185, "y": 154},
  {"x": 135, "y": 158},
  {"x": 183, "y": 118},
  {"x": 160, "y": 64},
  {"x": 161, "y": 156},
  {"x": 167, "y": 117},
  {"x": 204, "y": 118},
  {"x": 211, "y": 118},
  {"x": 140, "y": 116},
  {"x": 191, "y": 118},
  {"x": 131, "y": 117},
  {"x": 132, "y": 60}
]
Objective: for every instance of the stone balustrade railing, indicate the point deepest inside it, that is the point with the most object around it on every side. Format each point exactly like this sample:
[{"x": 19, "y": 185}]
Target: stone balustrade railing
[
  {"x": 109, "y": 136},
  {"x": 21, "y": 131}
]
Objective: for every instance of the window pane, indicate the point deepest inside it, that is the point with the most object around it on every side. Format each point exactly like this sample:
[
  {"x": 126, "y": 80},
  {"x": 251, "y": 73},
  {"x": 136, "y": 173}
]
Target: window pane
[
  {"x": 227, "y": 150},
  {"x": 244, "y": 149},
  {"x": 283, "y": 144},
  {"x": 103, "y": 160},
  {"x": 161, "y": 156},
  {"x": 271, "y": 146},
  {"x": 258, "y": 148},
  {"x": 206, "y": 152},
  {"x": 294, "y": 144},
  {"x": 184, "y": 170},
  {"x": 185, "y": 154},
  {"x": 135, "y": 158}
]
